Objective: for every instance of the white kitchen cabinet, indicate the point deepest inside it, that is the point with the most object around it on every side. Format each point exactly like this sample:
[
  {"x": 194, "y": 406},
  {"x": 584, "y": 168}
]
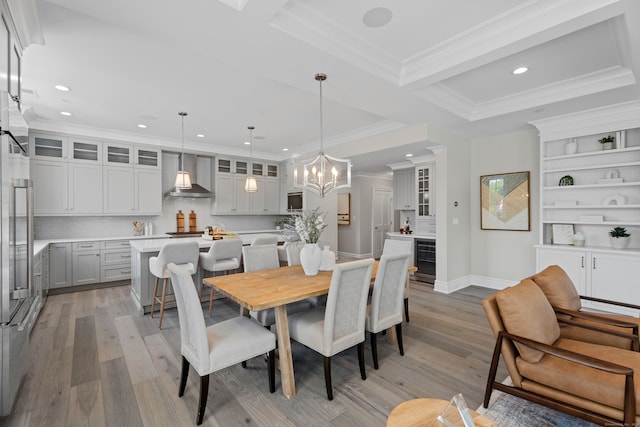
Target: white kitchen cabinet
[
  {"x": 148, "y": 191},
  {"x": 50, "y": 187},
  {"x": 230, "y": 195},
  {"x": 267, "y": 199},
  {"x": 60, "y": 273},
  {"x": 425, "y": 187},
  {"x": 147, "y": 158},
  {"x": 85, "y": 185},
  {"x": 115, "y": 260},
  {"x": 605, "y": 273},
  {"x": 48, "y": 147},
  {"x": 118, "y": 154},
  {"x": 118, "y": 189},
  {"x": 86, "y": 263},
  {"x": 404, "y": 189}
]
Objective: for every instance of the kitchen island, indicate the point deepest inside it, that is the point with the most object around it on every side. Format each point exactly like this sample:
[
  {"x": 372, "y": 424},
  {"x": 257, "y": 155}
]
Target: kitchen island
[{"x": 142, "y": 281}]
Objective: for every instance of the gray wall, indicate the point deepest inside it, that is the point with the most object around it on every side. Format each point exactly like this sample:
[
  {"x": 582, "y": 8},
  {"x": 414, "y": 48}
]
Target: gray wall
[{"x": 499, "y": 254}]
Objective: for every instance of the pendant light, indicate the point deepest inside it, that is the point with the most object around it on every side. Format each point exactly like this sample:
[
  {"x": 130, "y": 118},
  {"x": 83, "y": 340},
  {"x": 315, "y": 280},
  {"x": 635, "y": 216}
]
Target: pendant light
[
  {"x": 323, "y": 174},
  {"x": 183, "y": 179},
  {"x": 250, "y": 184}
]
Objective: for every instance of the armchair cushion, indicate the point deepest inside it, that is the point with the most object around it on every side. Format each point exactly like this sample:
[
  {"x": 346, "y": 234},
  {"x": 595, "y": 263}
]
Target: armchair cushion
[
  {"x": 526, "y": 312},
  {"x": 558, "y": 288},
  {"x": 579, "y": 380}
]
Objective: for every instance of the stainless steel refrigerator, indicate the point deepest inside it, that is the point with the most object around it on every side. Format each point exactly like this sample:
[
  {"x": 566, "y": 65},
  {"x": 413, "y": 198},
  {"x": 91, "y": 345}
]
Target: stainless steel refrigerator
[{"x": 19, "y": 301}]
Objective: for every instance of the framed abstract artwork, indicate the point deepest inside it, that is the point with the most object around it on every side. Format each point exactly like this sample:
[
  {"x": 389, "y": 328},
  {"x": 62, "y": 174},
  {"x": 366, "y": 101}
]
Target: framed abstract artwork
[{"x": 504, "y": 202}]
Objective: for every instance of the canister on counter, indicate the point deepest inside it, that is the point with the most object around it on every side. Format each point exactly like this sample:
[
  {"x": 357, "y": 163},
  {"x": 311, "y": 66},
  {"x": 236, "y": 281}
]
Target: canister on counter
[
  {"x": 180, "y": 222},
  {"x": 192, "y": 222}
]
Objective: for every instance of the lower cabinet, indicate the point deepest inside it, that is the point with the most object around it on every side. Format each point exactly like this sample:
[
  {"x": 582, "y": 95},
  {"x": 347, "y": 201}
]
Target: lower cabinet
[
  {"x": 600, "y": 273},
  {"x": 60, "y": 274},
  {"x": 86, "y": 263}
]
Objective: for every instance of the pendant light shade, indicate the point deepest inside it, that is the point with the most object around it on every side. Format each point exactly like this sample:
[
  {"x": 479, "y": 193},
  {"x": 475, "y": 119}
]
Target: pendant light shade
[
  {"x": 250, "y": 184},
  {"x": 183, "y": 179},
  {"x": 322, "y": 174}
]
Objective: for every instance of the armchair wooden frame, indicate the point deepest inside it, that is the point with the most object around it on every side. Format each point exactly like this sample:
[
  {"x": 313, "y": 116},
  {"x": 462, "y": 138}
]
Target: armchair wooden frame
[
  {"x": 615, "y": 369},
  {"x": 633, "y": 336}
]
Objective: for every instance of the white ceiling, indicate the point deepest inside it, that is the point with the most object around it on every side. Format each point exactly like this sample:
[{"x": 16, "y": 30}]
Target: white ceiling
[{"x": 234, "y": 63}]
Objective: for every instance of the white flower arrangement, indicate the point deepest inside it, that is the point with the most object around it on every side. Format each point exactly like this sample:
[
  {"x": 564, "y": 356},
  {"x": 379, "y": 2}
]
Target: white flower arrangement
[{"x": 309, "y": 225}]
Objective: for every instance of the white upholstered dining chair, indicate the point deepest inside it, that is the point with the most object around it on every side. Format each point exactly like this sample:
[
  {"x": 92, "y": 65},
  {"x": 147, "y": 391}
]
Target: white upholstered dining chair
[
  {"x": 212, "y": 348},
  {"x": 223, "y": 256},
  {"x": 340, "y": 324},
  {"x": 265, "y": 257},
  {"x": 385, "y": 309},
  {"x": 393, "y": 246},
  {"x": 185, "y": 254},
  {"x": 265, "y": 240}
]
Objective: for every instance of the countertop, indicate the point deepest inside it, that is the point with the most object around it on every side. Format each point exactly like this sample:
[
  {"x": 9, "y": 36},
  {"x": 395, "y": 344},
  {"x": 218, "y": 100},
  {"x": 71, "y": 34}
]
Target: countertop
[
  {"x": 431, "y": 236},
  {"x": 154, "y": 245}
]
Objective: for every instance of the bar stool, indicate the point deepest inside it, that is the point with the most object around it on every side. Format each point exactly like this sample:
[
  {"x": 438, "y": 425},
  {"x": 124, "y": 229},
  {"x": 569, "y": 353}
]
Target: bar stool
[
  {"x": 224, "y": 255},
  {"x": 185, "y": 255}
]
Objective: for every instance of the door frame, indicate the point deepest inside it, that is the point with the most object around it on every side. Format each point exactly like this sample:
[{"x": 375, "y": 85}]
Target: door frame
[{"x": 389, "y": 191}]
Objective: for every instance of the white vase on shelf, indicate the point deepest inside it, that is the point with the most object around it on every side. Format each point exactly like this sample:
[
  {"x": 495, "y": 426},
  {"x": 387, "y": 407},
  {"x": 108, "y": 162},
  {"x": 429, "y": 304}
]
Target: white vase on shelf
[
  {"x": 310, "y": 258},
  {"x": 571, "y": 147},
  {"x": 619, "y": 242},
  {"x": 328, "y": 259}
]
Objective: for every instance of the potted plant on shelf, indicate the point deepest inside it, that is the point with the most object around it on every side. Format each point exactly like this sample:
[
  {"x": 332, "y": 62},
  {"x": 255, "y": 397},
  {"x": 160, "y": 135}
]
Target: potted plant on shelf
[
  {"x": 607, "y": 142},
  {"x": 619, "y": 237},
  {"x": 282, "y": 222}
]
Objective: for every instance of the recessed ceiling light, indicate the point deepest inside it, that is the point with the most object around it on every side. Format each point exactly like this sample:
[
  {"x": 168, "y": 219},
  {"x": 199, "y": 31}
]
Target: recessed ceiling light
[
  {"x": 200, "y": 135},
  {"x": 65, "y": 113},
  {"x": 377, "y": 17},
  {"x": 285, "y": 149},
  {"x": 62, "y": 88},
  {"x": 247, "y": 143},
  {"x": 141, "y": 126},
  {"x": 408, "y": 155},
  {"x": 520, "y": 70}
]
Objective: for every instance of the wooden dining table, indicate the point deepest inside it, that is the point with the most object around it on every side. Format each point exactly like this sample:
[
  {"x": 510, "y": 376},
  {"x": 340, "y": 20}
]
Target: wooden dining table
[{"x": 264, "y": 289}]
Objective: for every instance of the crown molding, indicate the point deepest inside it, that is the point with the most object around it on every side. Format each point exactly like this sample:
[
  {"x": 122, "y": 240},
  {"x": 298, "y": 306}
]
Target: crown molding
[{"x": 625, "y": 115}]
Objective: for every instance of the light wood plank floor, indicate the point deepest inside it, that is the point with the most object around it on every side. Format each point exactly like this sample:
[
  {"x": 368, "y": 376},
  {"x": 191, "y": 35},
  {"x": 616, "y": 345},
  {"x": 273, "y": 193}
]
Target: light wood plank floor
[{"x": 94, "y": 362}]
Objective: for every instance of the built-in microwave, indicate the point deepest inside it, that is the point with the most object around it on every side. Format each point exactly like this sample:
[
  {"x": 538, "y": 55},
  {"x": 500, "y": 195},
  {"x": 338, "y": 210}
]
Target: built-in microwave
[{"x": 294, "y": 201}]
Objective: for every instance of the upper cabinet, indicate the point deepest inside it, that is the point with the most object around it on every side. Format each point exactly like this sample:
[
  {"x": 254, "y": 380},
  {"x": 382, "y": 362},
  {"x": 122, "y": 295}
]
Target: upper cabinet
[
  {"x": 425, "y": 187},
  {"x": 404, "y": 189},
  {"x": 79, "y": 176}
]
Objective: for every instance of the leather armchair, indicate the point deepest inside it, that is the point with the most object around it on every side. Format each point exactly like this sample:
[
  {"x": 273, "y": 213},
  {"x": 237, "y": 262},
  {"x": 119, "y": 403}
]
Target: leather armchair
[
  {"x": 583, "y": 325},
  {"x": 586, "y": 380}
]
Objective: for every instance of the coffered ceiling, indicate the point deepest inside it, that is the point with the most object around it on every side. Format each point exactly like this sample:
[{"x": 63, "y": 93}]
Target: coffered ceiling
[{"x": 234, "y": 63}]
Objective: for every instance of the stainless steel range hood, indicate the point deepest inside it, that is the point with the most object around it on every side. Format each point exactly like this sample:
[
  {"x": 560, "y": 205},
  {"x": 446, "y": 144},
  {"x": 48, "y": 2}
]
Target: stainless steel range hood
[{"x": 196, "y": 191}]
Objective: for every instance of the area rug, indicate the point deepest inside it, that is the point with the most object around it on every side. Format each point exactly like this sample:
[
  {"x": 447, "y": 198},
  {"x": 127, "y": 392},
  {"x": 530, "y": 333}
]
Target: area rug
[{"x": 506, "y": 410}]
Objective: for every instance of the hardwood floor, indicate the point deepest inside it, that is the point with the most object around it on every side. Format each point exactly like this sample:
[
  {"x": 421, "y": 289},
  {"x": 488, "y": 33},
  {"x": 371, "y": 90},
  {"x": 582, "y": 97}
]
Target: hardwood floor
[{"x": 94, "y": 362}]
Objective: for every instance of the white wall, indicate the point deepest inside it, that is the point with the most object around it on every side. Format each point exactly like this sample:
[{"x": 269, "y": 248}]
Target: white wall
[
  {"x": 354, "y": 240},
  {"x": 499, "y": 255}
]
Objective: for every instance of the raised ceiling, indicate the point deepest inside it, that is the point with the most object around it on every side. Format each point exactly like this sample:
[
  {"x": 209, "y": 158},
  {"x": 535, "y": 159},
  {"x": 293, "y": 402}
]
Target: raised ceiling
[{"x": 234, "y": 63}]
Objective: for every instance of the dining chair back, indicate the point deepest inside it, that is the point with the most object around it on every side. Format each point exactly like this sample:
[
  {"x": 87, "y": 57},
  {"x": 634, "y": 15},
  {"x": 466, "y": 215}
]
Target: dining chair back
[
  {"x": 340, "y": 324},
  {"x": 265, "y": 257},
  {"x": 265, "y": 240},
  {"x": 211, "y": 348},
  {"x": 260, "y": 257},
  {"x": 223, "y": 256},
  {"x": 184, "y": 254},
  {"x": 385, "y": 309},
  {"x": 394, "y": 246},
  {"x": 293, "y": 252}
]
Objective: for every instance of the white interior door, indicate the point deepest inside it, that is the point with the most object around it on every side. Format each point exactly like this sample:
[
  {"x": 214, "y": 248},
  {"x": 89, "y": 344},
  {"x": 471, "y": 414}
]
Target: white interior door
[{"x": 381, "y": 217}]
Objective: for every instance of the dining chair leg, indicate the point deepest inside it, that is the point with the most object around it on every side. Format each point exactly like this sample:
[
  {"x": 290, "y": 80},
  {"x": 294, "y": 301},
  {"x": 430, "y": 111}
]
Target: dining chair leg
[
  {"x": 363, "y": 374},
  {"x": 272, "y": 371},
  {"x": 164, "y": 295},
  {"x": 374, "y": 348},
  {"x": 204, "y": 393},
  {"x": 183, "y": 376},
  {"x": 155, "y": 295},
  {"x": 210, "y": 300},
  {"x": 327, "y": 377},
  {"x": 406, "y": 309},
  {"x": 399, "y": 338},
  {"x": 243, "y": 364}
]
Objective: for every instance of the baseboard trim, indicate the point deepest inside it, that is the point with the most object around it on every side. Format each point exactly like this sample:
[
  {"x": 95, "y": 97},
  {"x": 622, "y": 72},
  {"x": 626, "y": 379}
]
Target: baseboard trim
[
  {"x": 491, "y": 282},
  {"x": 469, "y": 280}
]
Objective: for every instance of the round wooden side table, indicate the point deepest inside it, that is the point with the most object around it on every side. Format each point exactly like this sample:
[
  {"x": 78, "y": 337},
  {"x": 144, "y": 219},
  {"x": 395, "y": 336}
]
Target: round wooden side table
[{"x": 424, "y": 413}]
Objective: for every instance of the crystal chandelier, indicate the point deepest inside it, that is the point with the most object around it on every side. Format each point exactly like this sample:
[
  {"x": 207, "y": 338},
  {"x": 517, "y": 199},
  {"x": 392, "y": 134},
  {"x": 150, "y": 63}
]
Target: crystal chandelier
[
  {"x": 183, "y": 179},
  {"x": 250, "y": 184},
  {"x": 322, "y": 174}
]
